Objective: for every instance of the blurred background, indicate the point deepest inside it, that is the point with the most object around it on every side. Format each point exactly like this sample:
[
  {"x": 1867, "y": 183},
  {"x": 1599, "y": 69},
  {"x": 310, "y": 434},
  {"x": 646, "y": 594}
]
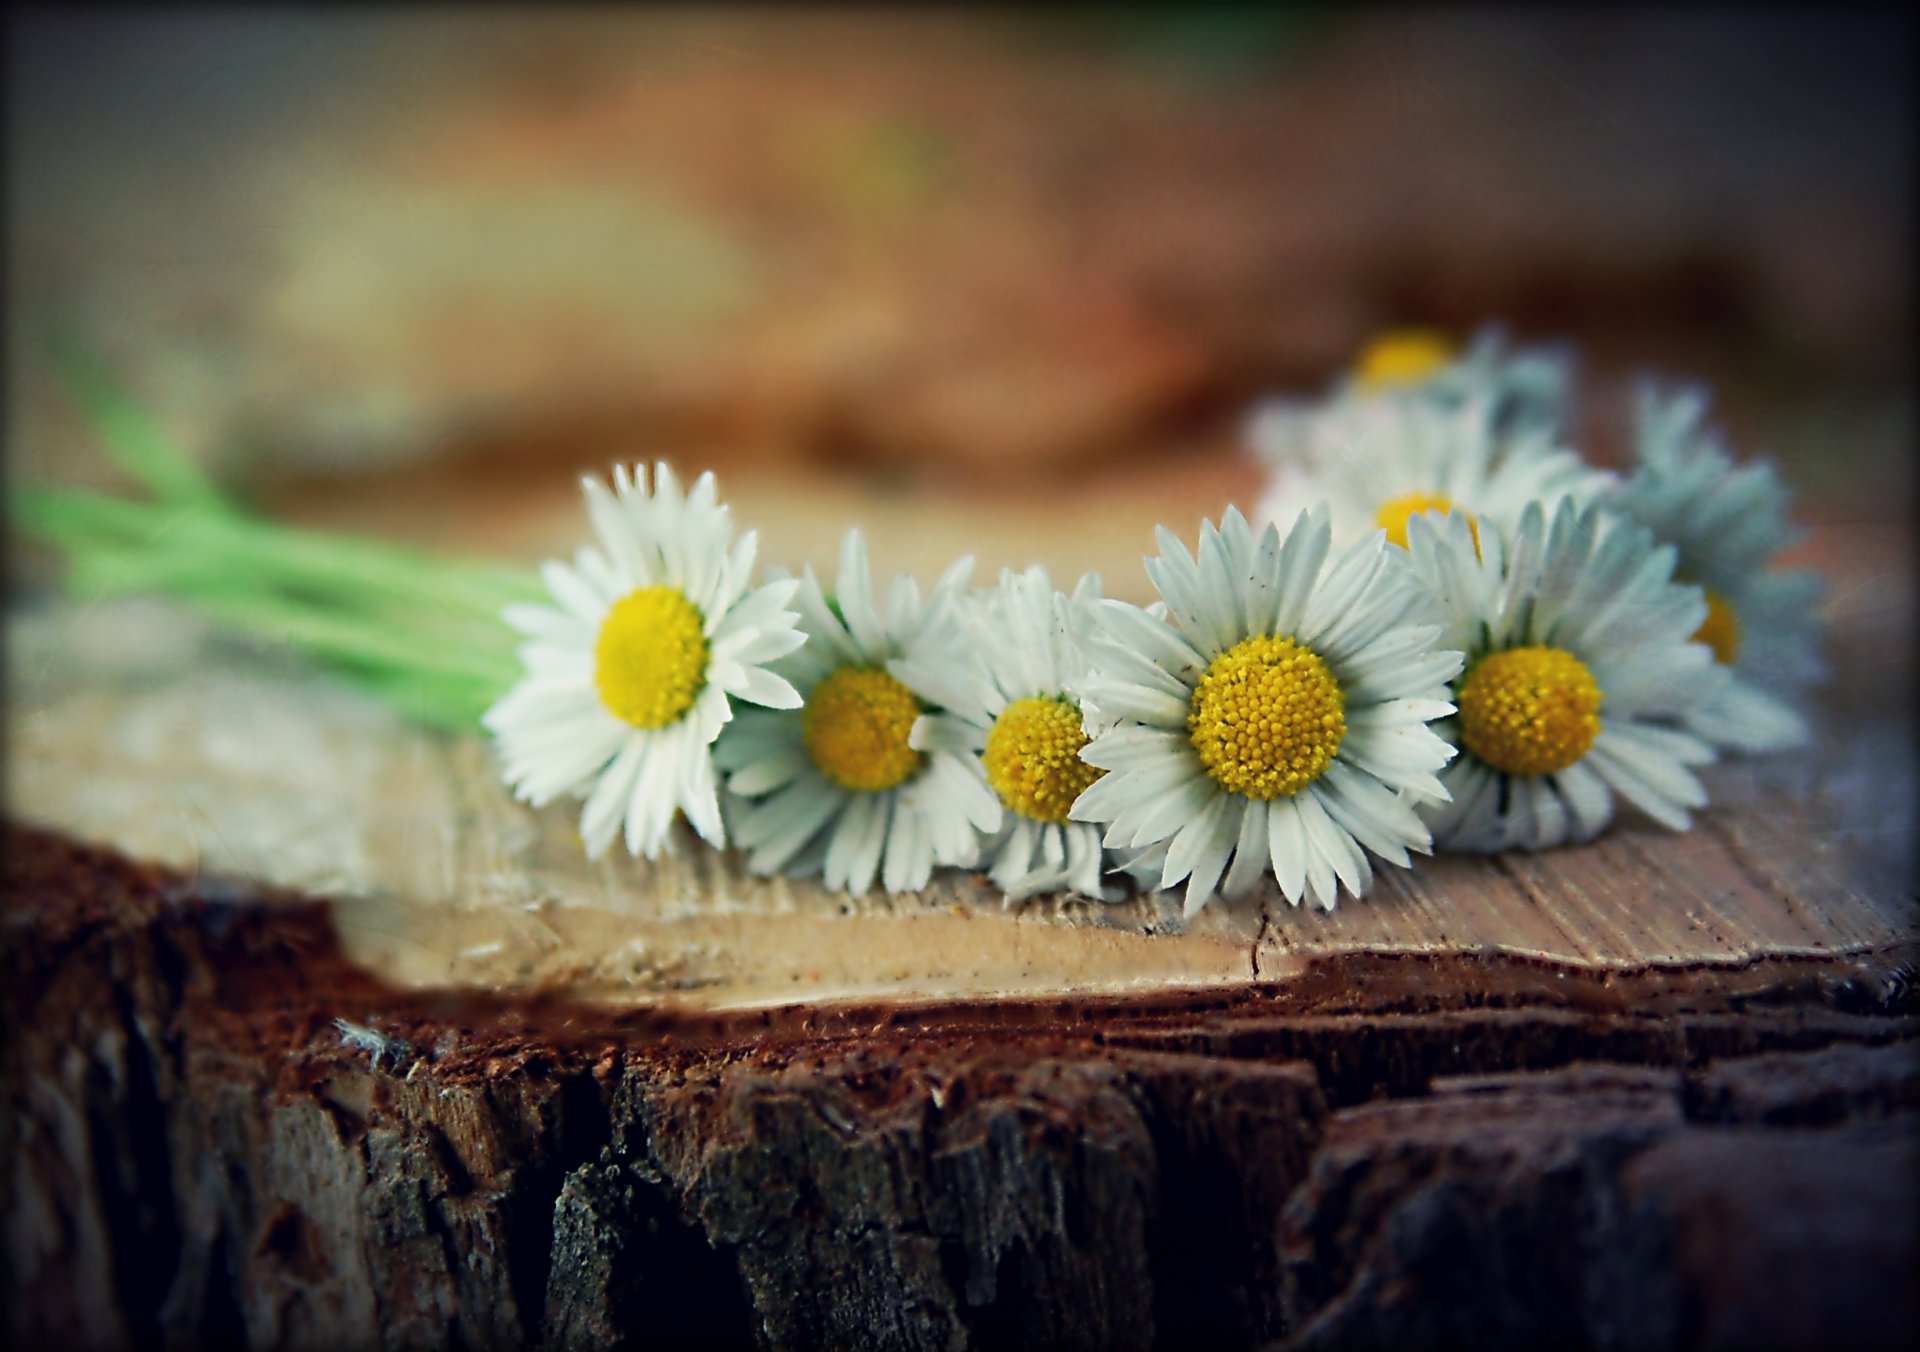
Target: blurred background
[
  {"x": 999, "y": 282},
  {"x": 407, "y": 271}
]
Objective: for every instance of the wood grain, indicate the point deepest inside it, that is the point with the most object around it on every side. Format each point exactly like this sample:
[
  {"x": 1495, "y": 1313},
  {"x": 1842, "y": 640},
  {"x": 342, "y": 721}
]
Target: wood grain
[{"x": 133, "y": 725}]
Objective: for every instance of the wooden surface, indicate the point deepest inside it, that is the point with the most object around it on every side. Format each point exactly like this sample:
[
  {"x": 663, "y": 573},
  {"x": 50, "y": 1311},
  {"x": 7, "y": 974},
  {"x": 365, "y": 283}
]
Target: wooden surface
[
  {"x": 133, "y": 725},
  {"x": 1661, "y": 1090}
]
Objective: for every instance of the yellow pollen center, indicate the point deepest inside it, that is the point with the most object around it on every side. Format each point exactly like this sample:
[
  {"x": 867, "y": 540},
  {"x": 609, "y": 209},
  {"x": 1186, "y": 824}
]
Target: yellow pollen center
[
  {"x": 1396, "y": 512},
  {"x": 1529, "y": 711},
  {"x": 1267, "y": 717},
  {"x": 1403, "y": 357},
  {"x": 650, "y": 659},
  {"x": 856, "y": 726},
  {"x": 1720, "y": 631},
  {"x": 1033, "y": 758}
]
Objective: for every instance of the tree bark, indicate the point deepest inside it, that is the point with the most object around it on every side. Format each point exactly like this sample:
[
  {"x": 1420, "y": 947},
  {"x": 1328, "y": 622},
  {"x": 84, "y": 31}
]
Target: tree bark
[{"x": 1382, "y": 1150}]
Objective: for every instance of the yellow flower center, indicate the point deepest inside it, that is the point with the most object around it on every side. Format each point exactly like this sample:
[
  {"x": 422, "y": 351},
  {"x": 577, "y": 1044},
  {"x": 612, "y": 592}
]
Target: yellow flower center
[
  {"x": 650, "y": 659},
  {"x": 856, "y": 726},
  {"x": 1033, "y": 758},
  {"x": 1396, "y": 512},
  {"x": 1529, "y": 711},
  {"x": 1403, "y": 357},
  {"x": 1720, "y": 631},
  {"x": 1267, "y": 717}
]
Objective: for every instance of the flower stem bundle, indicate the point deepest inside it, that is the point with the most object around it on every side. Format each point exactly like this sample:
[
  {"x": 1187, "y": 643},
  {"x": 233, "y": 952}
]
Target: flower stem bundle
[{"x": 419, "y": 629}]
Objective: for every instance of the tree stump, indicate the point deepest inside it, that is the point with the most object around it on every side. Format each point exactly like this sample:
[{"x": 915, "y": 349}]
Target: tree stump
[
  {"x": 1383, "y": 1149},
  {"x": 364, "y": 1053}
]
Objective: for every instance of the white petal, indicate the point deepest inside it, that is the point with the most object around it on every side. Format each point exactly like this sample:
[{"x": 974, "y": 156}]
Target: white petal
[
  {"x": 909, "y": 855},
  {"x": 777, "y": 827},
  {"x": 762, "y": 687},
  {"x": 1343, "y": 588},
  {"x": 701, "y": 801},
  {"x": 768, "y": 773},
  {"x": 1287, "y": 843},
  {"x": 650, "y": 804},
  {"x": 865, "y": 815},
  {"x": 1173, "y": 810},
  {"x": 1301, "y": 556},
  {"x": 864, "y": 864},
  {"x": 1642, "y": 768},
  {"x": 855, "y": 596},
  {"x": 600, "y": 818},
  {"x": 1206, "y": 620},
  {"x": 943, "y": 732},
  {"x": 1134, "y": 747},
  {"x": 571, "y": 591},
  {"x": 731, "y": 584},
  {"x": 1374, "y": 815},
  {"x": 567, "y": 764},
  {"x": 1589, "y": 804},
  {"x": 1745, "y": 718},
  {"x": 1333, "y": 845},
  {"x": 1119, "y": 699},
  {"x": 760, "y": 645},
  {"x": 1158, "y": 642},
  {"x": 617, "y": 535},
  {"x": 1250, "y": 853},
  {"x": 544, "y": 622},
  {"x": 1548, "y": 821}
]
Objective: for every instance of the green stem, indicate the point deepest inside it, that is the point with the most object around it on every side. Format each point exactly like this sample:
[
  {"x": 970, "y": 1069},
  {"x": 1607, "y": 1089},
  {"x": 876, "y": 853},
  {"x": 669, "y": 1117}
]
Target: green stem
[
  {"x": 333, "y": 634},
  {"x": 421, "y": 631},
  {"x": 453, "y": 706},
  {"x": 130, "y": 434},
  {"x": 229, "y": 543}
]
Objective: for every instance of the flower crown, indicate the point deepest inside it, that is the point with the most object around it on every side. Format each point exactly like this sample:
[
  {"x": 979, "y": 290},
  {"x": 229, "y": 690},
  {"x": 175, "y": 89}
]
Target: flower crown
[
  {"x": 1441, "y": 628},
  {"x": 1447, "y": 630}
]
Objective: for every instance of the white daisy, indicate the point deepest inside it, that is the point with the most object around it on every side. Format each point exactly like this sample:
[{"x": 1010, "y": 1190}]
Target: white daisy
[
  {"x": 865, "y": 780},
  {"x": 632, "y": 675},
  {"x": 1378, "y": 462},
  {"x": 1279, "y": 723},
  {"x": 1579, "y": 649},
  {"x": 1727, "y": 522},
  {"x": 1005, "y": 685},
  {"x": 1525, "y": 388}
]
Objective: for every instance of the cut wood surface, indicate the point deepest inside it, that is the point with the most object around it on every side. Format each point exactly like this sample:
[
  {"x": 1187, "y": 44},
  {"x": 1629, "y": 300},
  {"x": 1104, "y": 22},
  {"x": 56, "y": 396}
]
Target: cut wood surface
[{"x": 135, "y": 725}]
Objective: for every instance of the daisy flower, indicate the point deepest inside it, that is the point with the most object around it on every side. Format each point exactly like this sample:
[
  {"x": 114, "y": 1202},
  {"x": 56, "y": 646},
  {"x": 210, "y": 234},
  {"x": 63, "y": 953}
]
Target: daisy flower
[
  {"x": 1010, "y": 706},
  {"x": 1278, "y": 724},
  {"x": 632, "y": 674},
  {"x": 1579, "y": 650},
  {"x": 1727, "y": 522},
  {"x": 863, "y": 780},
  {"x": 1524, "y": 387},
  {"x": 1527, "y": 386},
  {"x": 1378, "y": 462}
]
